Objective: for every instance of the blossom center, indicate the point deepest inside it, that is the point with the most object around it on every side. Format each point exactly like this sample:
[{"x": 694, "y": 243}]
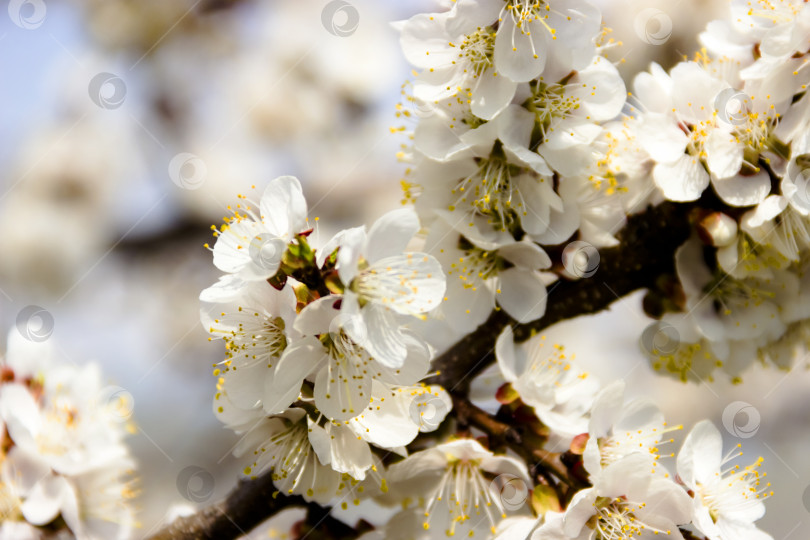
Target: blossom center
[
  {"x": 551, "y": 105},
  {"x": 525, "y": 12},
  {"x": 615, "y": 520},
  {"x": 780, "y": 12},
  {"x": 475, "y": 265},
  {"x": 256, "y": 338},
  {"x": 464, "y": 493},
  {"x": 286, "y": 453},
  {"x": 736, "y": 491},
  {"x": 492, "y": 191},
  {"x": 476, "y": 50},
  {"x": 647, "y": 438},
  {"x": 394, "y": 282}
]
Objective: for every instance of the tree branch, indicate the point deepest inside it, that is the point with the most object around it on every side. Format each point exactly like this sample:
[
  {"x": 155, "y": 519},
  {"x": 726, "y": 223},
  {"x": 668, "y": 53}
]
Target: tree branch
[
  {"x": 645, "y": 253},
  {"x": 466, "y": 411},
  {"x": 249, "y": 504}
]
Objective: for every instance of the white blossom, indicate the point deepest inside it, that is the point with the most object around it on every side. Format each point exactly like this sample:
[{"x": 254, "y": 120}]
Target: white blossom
[
  {"x": 727, "y": 499},
  {"x": 456, "y": 497},
  {"x": 548, "y": 380},
  {"x": 252, "y": 241}
]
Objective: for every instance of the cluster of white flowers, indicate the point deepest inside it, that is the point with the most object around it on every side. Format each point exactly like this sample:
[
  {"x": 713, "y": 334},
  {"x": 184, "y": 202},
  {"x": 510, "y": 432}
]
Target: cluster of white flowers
[
  {"x": 523, "y": 149},
  {"x": 65, "y": 471},
  {"x": 729, "y": 129},
  {"x": 462, "y": 488},
  {"x": 321, "y": 363},
  {"x": 519, "y": 147},
  {"x": 321, "y": 379}
]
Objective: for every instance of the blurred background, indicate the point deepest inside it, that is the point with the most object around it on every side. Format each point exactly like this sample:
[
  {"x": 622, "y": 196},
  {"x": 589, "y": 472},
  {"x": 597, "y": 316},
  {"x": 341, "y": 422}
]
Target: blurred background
[{"x": 129, "y": 125}]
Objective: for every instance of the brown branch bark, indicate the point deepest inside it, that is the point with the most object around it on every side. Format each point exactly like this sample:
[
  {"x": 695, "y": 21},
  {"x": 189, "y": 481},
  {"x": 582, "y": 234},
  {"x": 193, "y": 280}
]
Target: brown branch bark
[{"x": 249, "y": 504}]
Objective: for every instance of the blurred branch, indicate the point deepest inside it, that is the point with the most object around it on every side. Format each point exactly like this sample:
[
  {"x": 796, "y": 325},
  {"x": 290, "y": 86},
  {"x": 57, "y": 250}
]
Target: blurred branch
[
  {"x": 645, "y": 252},
  {"x": 249, "y": 504},
  {"x": 183, "y": 233}
]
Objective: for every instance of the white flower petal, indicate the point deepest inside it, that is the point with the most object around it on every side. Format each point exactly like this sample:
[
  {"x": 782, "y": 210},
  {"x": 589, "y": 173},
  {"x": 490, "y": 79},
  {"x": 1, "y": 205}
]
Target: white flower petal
[
  {"x": 283, "y": 207},
  {"x": 724, "y": 155},
  {"x": 519, "y": 56},
  {"x": 510, "y": 361},
  {"x": 316, "y": 318},
  {"x": 523, "y": 294},
  {"x": 340, "y": 393},
  {"x": 390, "y": 234},
  {"x": 44, "y": 502},
  {"x": 682, "y": 181},
  {"x": 492, "y": 94},
  {"x": 350, "y": 454},
  {"x": 742, "y": 190},
  {"x": 526, "y": 255},
  {"x": 701, "y": 455},
  {"x": 351, "y": 245}
]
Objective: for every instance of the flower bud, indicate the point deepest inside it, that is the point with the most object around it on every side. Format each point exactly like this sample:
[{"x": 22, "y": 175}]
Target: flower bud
[{"x": 717, "y": 229}]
